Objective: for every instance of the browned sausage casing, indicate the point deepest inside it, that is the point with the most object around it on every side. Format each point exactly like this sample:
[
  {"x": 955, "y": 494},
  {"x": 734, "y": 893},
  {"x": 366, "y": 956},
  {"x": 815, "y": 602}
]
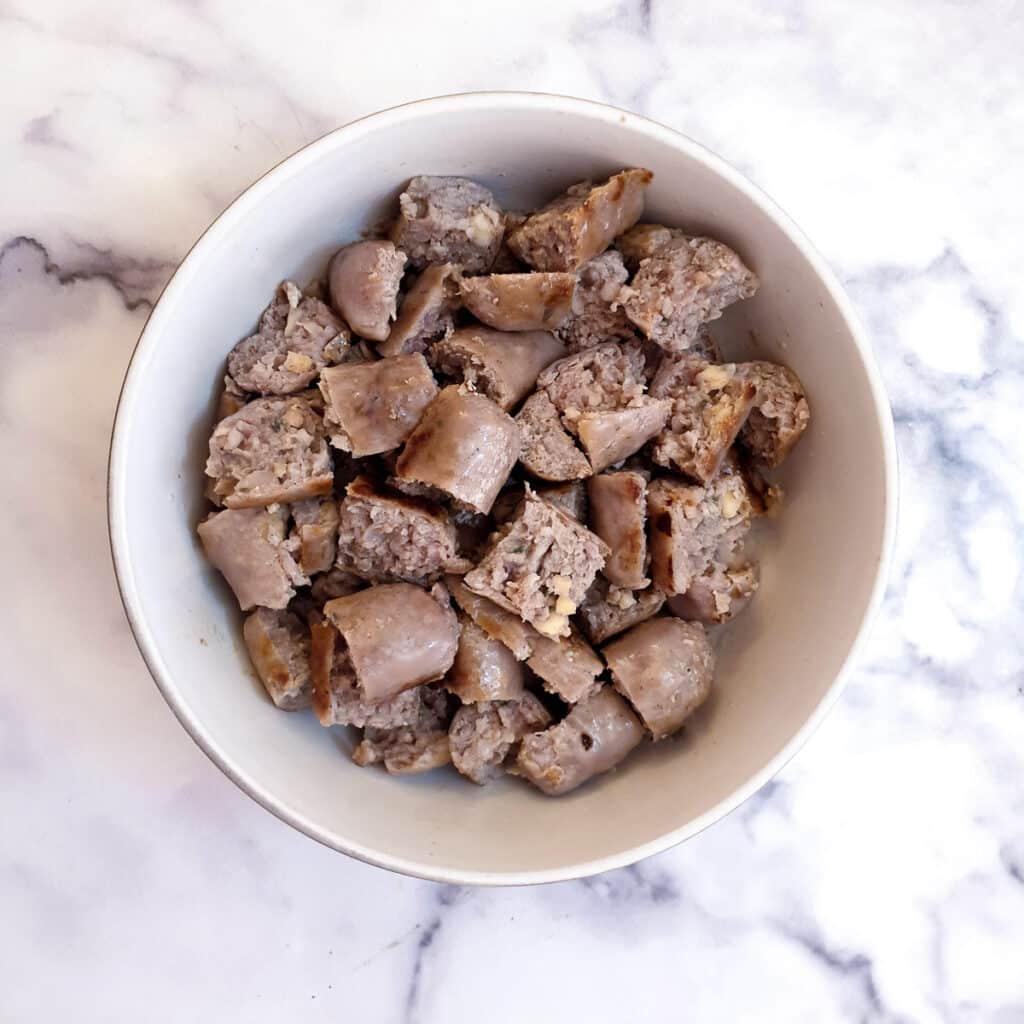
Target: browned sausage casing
[
  {"x": 664, "y": 666},
  {"x": 465, "y": 446},
  {"x": 618, "y": 515},
  {"x": 373, "y": 407},
  {"x": 581, "y": 223},
  {"x": 500, "y": 365},
  {"x": 594, "y": 737},
  {"x": 484, "y": 669},
  {"x": 363, "y": 279},
  {"x": 519, "y": 302},
  {"x": 398, "y": 636}
]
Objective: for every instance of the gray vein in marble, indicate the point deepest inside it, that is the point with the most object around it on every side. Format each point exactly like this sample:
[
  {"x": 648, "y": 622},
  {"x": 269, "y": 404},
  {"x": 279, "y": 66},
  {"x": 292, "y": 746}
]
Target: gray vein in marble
[
  {"x": 40, "y": 132},
  {"x": 854, "y": 970},
  {"x": 137, "y": 280},
  {"x": 1013, "y": 862},
  {"x": 640, "y": 883},
  {"x": 446, "y": 896}
]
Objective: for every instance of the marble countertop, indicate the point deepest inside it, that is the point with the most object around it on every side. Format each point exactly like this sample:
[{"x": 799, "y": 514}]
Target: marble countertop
[{"x": 880, "y": 877}]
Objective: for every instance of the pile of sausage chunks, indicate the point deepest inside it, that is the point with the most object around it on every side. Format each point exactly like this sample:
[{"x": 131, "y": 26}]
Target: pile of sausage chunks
[{"x": 483, "y": 490}]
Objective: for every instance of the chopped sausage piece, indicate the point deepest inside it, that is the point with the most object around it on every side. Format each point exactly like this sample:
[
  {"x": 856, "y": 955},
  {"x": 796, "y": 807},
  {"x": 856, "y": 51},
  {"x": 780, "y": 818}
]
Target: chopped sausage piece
[
  {"x": 664, "y": 667},
  {"x": 718, "y": 595},
  {"x": 570, "y": 498},
  {"x": 336, "y": 698},
  {"x": 604, "y": 377},
  {"x": 642, "y": 241},
  {"x": 607, "y": 610},
  {"x": 693, "y": 527},
  {"x": 567, "y": 667},
  {"x": 684, "y": 284},
  {"x": 373, "y": 407},
  {"x": 549, "y": 451},
  {"x": 599, "y": 395},
  {"x": 386, "y": 537},
  {"x": 597, "y": 315},
  {"x": 485, "y": 669},
  {"x": 272, "y": 450},
  {"x": 297, "y": 337},
  {"x": 501, "y": 366},
  {"x": 519, "y": 302},
  {"x": 248, "y": 547},
  {"x": 278, "y": 644},
  {"x": 580, "y": 224},
  {"x": 484, "y": 736},
  {"x": 335, "y": 583},
  {"x": 395, "y": 636},
  {"x": 414, "y": 747},
  {"x": 364, "y": 278},
  {"x": 465, "y": 446},
  {"x": 618, "y": 515},
  {"x": 710, "y": 403},
  {"x": 780, "y": 414},
  {"x": 448, "y": 220},
  {"x": 316, "y": 531},
  {"x": 496, "y": 622},
  {"x": 593, "y": 738},
  {"x": 609, "y": 437},
  {"x": 426, "y": 313},
  {"x": 540, "y": 565}
]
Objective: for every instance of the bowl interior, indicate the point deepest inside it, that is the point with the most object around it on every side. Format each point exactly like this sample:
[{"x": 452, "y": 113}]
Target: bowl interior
[{"x": 778, "y": 662}]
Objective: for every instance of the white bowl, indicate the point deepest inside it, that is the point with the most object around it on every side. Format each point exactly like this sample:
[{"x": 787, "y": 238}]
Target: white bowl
[{"x": 782, "y": 662}]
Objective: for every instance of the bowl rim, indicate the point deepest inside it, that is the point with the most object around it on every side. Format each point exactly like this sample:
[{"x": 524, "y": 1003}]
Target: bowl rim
[{"x": 225, "y": 222}]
